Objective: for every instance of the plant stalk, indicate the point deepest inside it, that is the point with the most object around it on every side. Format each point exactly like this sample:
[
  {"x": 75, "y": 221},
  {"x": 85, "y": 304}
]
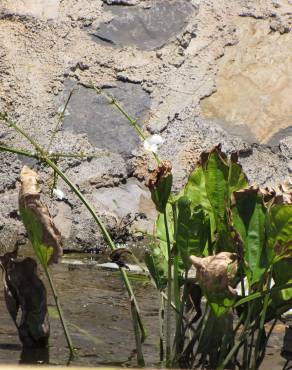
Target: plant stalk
[
  {"x": 169, "y": 293},
  {"x": 140, "y": 357},
  {"x": 60, "y": 311}
]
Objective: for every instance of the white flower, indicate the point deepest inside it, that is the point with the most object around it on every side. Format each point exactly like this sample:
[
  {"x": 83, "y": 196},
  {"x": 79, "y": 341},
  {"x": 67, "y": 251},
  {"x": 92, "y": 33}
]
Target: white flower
[
  {"x": 58, "y": 194},
  {"x": 152, "y": 143},
  {"x": 61, "y": 109}
]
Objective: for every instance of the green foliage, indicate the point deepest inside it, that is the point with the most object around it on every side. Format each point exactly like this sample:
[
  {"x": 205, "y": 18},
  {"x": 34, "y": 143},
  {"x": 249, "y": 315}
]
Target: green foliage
[
  {"x": 217, "y": 212},
  {"x": 34, "y": 229},
  {"x": 192, "y": 230}
]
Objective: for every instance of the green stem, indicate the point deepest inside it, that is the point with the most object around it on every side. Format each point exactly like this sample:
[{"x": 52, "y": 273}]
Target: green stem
[
  {"x": 130, "y": 119},
  {"x": 161, "y": 328},
  {"x": 140, "y": 357},
  {"x": 240, "y": 342},
  {"x": 179, "y": 332},
  {"x": 105, "y": 234},
  {"x": 26, "y": 153},
  {"x": 59, "y": 309},
  {"x": 262, "y": 325},
  {"x": 60, "y": 121},
  {"x": 12, "y": 124},
  {"x": 169, "y": 292},
  {"x": 44, "y": 158}
]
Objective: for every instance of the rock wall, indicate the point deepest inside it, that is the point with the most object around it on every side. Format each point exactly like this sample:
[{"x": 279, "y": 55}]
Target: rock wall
[{"x": 198, "y": 72}]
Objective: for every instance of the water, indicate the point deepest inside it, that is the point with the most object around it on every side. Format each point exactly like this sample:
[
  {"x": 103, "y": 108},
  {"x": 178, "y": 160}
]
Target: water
[
  {"x": 97, "y": 311},
  {"x": 96, "y": 306}
]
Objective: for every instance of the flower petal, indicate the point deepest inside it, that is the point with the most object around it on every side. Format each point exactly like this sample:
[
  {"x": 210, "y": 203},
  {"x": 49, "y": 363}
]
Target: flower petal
[{"x": 58, "y": 194}]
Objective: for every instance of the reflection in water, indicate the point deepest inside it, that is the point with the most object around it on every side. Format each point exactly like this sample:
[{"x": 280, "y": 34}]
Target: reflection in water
[{"x": 34, "y": 356}]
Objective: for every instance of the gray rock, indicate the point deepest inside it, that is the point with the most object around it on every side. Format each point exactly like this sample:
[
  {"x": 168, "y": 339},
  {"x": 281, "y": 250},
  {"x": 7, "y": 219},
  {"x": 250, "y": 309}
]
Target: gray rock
[
  {"x": 120, "y": 2},
  {"x": 286, "y": 147},
  {"x": 146, "y": 29},
  {"x": 104, "y": 126}
]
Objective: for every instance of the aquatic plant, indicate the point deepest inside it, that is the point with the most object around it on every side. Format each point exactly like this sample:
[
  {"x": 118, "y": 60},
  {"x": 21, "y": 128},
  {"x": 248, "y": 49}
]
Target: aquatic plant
[
  {"x": 239, "y": 238},
  {"x": 50, "y": 159},
  {"x": 42, "y": 232}
]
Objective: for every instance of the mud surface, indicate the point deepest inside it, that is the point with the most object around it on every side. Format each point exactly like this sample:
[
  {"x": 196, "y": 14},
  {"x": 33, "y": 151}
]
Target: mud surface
[{"x": 221, "y": 73}]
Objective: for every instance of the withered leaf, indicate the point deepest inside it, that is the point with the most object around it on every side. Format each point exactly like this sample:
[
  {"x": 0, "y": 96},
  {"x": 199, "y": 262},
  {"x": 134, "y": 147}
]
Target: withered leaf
[
  {"x": 159, "y": 184},
  {"x": 217, "y": 273},
  {"x": 43, "y": 233}
]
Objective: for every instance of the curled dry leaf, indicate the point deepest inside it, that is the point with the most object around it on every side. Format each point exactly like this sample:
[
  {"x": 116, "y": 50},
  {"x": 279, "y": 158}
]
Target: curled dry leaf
[
  {"x": 281, "y": 194},
  {"x": 159, "y": 184},
  {"x": 159, "y": 174},
  {"x": 26, "y": 299},
  {"x": 29, "y": 200},
  {"x": 216, "y": 274}
]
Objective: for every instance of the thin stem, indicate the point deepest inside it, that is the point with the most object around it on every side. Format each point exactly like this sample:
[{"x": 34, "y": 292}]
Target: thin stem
[
  {"x": 169, "y": 292},
  {"x": 262, "y": 325},
  {"x": 161, "y": 328},
  {"x": 12, "y": 124},
  {"x": 24, "y": 152},
  {"x": 179, "y": 332},
  {"x": 60, "y": 121},
  {"x": 140, "y": 357},
  {"x": 105, "y": 234},
  {"x": 42, "y": 155},
  {"x": 60, "y": 312},
  {"x": 130, "y": 119}
]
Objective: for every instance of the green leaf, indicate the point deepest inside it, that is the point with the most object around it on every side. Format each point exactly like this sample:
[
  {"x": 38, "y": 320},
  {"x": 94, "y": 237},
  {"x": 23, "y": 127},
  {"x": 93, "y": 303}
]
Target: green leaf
[
  {"x": 249, "y": 216},
  {"x": 195, "y": 189},
  {"x": 216, "y": 176},
  {"x": 237, "y": 179},
  {"x": 279, "y": 231},
  {"x": 281, "y": 299},
  {"x": 34, "y": 229},
  {"x": 156, "y": 263},
  {"x": 192, "y": 232}
]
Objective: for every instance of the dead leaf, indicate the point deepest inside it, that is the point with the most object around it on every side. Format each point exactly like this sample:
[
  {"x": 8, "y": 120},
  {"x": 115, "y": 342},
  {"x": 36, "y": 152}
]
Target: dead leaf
[
  {"x": 29, "y": 199},
  {"x": 216, "y": 274}
]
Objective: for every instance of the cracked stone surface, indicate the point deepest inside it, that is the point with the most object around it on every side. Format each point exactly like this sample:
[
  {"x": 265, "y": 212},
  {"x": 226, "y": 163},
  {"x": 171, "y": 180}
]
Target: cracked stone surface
[
  {"x": 146, "y": 28},
  {"x": 43, "y": 45},
  {"x": 104, "y": 126}
]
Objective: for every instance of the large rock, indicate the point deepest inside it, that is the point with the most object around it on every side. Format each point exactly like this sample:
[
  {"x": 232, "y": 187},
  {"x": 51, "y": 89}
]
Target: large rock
[{"x": 145, "y": 28}]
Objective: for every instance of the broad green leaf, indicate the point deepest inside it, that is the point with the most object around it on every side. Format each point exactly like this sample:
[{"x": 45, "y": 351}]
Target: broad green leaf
[
  {"x": 195, "y": 189},
  {"x": 279, "y": 231},
  {"x": 192, "y": 232},
  {"x": 157, "y": 266},
  {"x": 237, "y": 179},
  {"x": 249, "y": 216},
  {"x": 34, "y": 229},
  {"x": 216, "y": 177}
]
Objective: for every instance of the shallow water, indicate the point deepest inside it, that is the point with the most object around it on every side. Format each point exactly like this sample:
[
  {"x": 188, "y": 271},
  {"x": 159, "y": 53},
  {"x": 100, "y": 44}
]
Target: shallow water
[
  {"x": 97, "y": 311},
  {"x": 96, "y": 307}
]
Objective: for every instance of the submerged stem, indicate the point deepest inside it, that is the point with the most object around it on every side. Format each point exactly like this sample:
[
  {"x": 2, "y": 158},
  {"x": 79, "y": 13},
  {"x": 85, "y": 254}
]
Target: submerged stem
[{"x": 60, "y": 311}]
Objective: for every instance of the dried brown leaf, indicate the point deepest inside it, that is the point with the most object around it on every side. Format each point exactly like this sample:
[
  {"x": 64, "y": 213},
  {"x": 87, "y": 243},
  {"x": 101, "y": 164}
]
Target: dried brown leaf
[{"x": 29, "y": 198}]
